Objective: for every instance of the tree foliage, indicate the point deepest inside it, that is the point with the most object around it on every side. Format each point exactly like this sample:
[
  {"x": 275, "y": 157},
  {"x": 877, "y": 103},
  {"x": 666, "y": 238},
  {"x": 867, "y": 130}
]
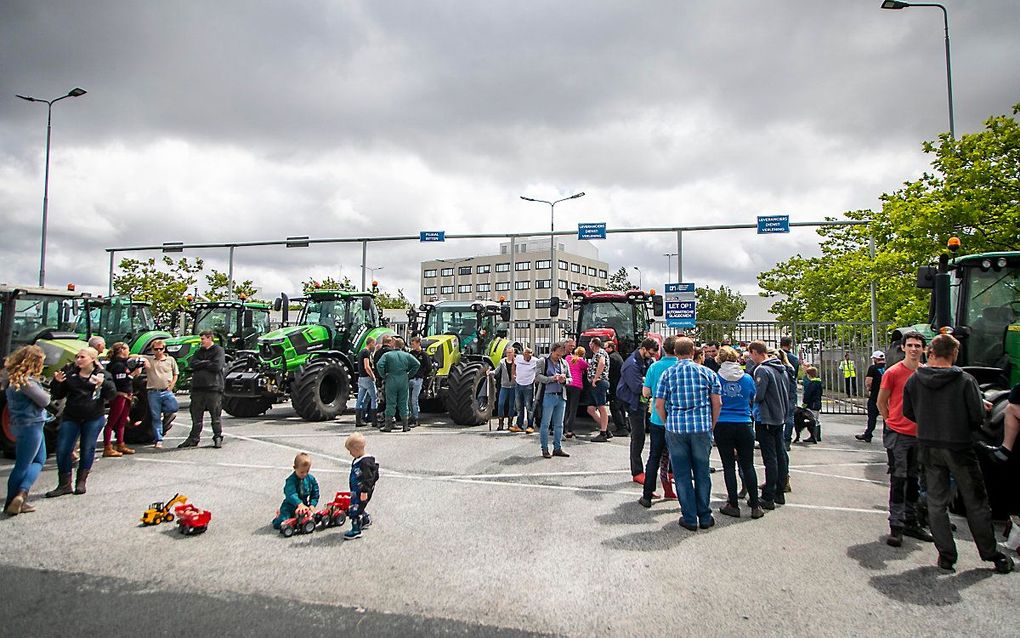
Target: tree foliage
[
  {"x": 217, "y": 287},
  {"x": 163, "y": 283},
  {"x": 719, "y": 305},
  {"x": 386, "y": 300},
  {"x": 327, "y": 283},
  {"x": 972, "y": 192},
  {"x": 619, "y": 280}
]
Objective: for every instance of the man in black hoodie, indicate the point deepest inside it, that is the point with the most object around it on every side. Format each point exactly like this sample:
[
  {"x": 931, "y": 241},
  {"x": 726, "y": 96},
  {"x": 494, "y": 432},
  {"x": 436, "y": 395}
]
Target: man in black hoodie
[
  {"x": 207, "y": 367},
  {"x": 946, "y": 404},
  {"x": 771, "y": 403}
]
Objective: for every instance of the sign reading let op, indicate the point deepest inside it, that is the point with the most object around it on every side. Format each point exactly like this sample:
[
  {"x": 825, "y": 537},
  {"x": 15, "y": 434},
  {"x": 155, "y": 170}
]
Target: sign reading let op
[{"x": 681, "y": 307}]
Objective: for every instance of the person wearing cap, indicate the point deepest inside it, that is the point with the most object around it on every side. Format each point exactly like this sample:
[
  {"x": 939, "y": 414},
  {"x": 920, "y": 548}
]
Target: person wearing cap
[{"x": 872, "y": 383}]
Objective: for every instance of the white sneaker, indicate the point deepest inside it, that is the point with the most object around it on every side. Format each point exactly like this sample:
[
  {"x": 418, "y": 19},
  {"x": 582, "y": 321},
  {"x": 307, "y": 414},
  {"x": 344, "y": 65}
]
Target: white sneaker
[{"x": 158, "y": 445}]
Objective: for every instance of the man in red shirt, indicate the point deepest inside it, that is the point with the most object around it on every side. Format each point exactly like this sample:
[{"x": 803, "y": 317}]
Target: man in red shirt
[{"x": 900, "y": 442}]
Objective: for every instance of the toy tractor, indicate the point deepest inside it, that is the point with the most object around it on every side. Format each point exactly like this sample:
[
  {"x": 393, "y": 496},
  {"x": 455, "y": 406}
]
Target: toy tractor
[
  {"x": 44, "y": 317},
  {"x": 236, "y": 325},
  {"x": 310, "y": 363},
  {"x": 334, "y": 514},
  {"x": 977, "y": 298},
  {"x": 192, "y": 520},
  {"x": 300, "y": 524},
  {"x": 465, "y": 339},
  {"x": 620, "y": 317},
  {"x": 160, "y": 512}
]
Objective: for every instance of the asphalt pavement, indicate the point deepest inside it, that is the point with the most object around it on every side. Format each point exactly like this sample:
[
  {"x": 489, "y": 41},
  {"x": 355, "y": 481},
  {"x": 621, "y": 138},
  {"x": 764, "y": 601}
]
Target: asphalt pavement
[{"x": 475, "y": 533}]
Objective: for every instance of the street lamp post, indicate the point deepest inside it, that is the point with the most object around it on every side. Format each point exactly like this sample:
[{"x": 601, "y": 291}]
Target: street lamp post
[
  {"x": 640, "y": 280},
  {"x": 669, "y": 263},
  {"x": 552, "y": 254},
  {"x": 893, "y": 4},
  {"x": 372, "y": 270},
  {"x": 75, "y": 92}
]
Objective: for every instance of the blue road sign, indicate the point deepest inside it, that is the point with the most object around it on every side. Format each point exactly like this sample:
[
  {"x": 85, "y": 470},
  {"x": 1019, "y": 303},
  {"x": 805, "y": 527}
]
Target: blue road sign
[
  {"x": 681, "y": 314},
  {"x": 432, "y": 235},
  {"x": 768, "y": 224},
  {"x": 591, "y": 231},
  {"x": 681, "y": 288}
]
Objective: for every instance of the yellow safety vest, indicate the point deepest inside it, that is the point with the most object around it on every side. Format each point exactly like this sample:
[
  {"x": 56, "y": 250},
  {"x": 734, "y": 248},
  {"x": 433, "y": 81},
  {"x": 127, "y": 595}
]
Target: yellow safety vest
[{"x": 849, "y": 370}]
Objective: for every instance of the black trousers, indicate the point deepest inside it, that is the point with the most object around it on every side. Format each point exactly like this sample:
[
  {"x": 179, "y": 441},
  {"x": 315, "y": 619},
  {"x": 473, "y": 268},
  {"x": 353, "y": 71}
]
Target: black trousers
[
  {"x": 203, "y": 401},
  {"x": 736, "y": 445},
  {"x": 658, "y": 455},
  {"x": 963, "y": 465},
  {"x": 618, "y": 413},
  {"x": 637, "y": 439},
  {"x": 872, "y": 419}
]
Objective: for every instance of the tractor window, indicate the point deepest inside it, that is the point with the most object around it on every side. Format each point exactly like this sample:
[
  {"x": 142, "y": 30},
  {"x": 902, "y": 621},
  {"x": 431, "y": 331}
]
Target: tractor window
[
  {"x": 325, "y": 313},
  {"x": 992, "y": 304},
  {"x": 260, "y": 321},
  {"x": 359, "y": 317},
  {"x": 220, "y": 320},
  {"x": 618, "y": 315},
  {"x": 458, "y": 321}
]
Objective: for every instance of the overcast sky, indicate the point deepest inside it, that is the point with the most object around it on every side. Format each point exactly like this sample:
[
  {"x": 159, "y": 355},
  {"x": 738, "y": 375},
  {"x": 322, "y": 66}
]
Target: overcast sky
[{"x": 236, "y": 121}]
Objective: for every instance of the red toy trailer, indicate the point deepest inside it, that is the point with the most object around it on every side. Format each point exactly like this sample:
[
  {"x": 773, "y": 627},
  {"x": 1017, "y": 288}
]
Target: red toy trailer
[
  {"x": 334, "y": 514},
  {"x": 191, "y": 520}
]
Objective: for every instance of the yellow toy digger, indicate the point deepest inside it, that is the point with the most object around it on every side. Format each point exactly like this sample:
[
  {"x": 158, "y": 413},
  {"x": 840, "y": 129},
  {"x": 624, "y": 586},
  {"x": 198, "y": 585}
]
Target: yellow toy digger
[{"x": 160, "y": 512}]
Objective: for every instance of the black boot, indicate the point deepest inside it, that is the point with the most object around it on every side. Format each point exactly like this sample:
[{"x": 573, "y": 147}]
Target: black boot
[
  {"x": 79, "y": 481},
  {"x": 358, "y": 421},
  {"x": 895, "y": 538},
  {"x": 63, "y": 486}
]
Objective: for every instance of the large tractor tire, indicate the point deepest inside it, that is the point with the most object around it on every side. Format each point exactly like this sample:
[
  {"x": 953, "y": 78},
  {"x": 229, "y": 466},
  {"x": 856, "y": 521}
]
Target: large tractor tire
[
  {"x": 321, "y": 390},
  {"x": 244, "y": 407},
  {"x": 470, "y": 397},
  {"x": 138, "y": 429}
]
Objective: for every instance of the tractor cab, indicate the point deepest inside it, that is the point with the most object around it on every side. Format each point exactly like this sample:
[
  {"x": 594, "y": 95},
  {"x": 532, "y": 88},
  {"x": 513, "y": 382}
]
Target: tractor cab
[
  {"x": 345, "y": 315},
  {"x": 474, "y": 323},
  {"x": 120, "y": 319},
  {"x": 620, "y": 317},
  {"x": 235, "y": 324},
  {"x": 978, "y": 298},
  {"x": 28, "y": 314}
]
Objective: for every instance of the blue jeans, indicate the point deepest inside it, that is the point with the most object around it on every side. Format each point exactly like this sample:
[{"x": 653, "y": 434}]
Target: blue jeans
[
  {"x": 31, "y": 451},
  {"x": 160, "y": 402},
  {"x": 505, "y": 403},
  {"x": 689, "y": 454},
  {"x": 525, "y": 401},
  {"x": 69, "y": 433},
  {"x": 553, "y": 407},
  {"x": 414, "y": 391},
  {"x": 366, "y": 390}
]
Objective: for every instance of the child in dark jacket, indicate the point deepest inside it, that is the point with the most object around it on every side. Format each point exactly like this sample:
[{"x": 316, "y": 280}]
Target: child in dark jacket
[
  {"x": 364, "y": 474},
  {"x": 300, "y": 491},
  {"x": 813, "y": 400}
]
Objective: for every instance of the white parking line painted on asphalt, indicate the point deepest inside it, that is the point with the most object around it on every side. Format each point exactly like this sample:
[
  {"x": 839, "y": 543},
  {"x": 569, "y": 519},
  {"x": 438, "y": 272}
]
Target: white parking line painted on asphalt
[
  {"x": 851, "y": 464},
  {"x": 840, "y": 476},
  {"x": 287, "y": 447}
]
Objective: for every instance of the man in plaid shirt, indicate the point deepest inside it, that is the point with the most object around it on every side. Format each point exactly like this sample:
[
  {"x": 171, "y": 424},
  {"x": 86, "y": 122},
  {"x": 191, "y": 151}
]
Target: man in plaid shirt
[{"x": 688, "y": 401}]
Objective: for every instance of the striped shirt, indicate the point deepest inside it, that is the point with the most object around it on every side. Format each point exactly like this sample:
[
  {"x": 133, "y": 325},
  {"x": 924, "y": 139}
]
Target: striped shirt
[{"x": 687, "y": 389}]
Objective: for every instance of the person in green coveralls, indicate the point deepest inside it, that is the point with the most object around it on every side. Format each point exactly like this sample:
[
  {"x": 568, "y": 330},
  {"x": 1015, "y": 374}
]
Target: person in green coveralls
[
  {"x": 300, "y": 491},
  {"x": 396, "y": 366}
]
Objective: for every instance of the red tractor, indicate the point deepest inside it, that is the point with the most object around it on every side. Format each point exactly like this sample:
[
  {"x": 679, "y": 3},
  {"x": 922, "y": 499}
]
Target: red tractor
[
  {"x": 334, "y": 514},
  {"x": 300, "y": 524},
  {"x": 191, "y": 520},
  {"x": 617, "y": 316}
]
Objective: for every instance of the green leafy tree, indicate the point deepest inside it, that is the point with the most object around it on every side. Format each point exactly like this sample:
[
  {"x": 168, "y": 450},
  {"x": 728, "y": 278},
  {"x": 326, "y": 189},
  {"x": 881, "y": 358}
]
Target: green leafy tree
[
  {"x": 327, "y": 283},
  {"x": 386, "y": 300},
  {"x": 619, "y": 280},
  {"x": 722, "y": 307},
  {"x": 217, "y": 287},
  {"x": 972, "y": 192},
  {"x": 163, "y": 283}
]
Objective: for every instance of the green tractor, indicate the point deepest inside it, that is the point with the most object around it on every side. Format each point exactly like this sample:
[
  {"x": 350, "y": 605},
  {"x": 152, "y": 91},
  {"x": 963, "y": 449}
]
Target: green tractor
[
  {"x": 977, "y": 297},
  {"x": 311, "y": 362},
  {"x": 44, "y": 317},
  {"x": 120, "y": 319},
  {"x": 466, "y": 339},
  {"x": 236, "y": 325}
]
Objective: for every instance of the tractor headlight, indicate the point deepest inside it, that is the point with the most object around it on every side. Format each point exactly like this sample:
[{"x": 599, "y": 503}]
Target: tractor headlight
[
  {"x": 986, "y": 265},
  {"x": 1000, "y": 263}
]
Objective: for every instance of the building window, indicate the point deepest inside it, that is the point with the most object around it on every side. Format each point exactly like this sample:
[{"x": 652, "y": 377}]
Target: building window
[
  {"x": 576, "y": 285},
  {"x": 483, "y": 288},
  {"x": 522, "y": 305},
  {"x": 464, "y": 288},
  {"x": 446, "y": 290},
  {"x": 446, "y": 272},
  {"x": 505, "y": 267},
  {"x": 561, "y": 264},
  {"x": 481, "y": 270},
  {"x": 575, "y": 267},
  {"x": 429, "y": 274},
  {"x": 543, "y": 264},
  {"x": 522, "y": 265},
  {"x": 502, "y": 285},
  {"x": 542, "y": 303},
  {"x": 428, "y": 290},
  {"x": 563, "y": 284},
  {"x": 465, "y": 270},
  {"x": 522, "y": 285},
  {"x": 543, "y": 283},
  {"x": 603, "y": 274},
  {"x": 592, "y": 272}
]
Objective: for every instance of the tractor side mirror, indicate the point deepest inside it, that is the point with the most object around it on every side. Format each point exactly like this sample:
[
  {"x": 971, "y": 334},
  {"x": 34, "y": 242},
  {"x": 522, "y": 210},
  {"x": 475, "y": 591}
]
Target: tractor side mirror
[
  {"x": 366, "y": 304},
  {"x": 504, "y": 312},
  {"x": 926, "y": 277},
  {"x": 282, "y": 304},
  {"x": 248, "y": 320},
  {"x": 657, "y": 305},
  {"x": 278, "y": 304}
]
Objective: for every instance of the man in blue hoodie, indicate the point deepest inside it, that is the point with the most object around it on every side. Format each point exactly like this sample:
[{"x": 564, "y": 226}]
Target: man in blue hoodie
[
  {"x": 628, "y": 393},
  {"x": 771, "y": 398}
]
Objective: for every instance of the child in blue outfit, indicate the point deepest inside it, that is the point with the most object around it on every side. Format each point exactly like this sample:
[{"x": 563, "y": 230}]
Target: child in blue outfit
[
  {"x": 300, "y": 491},
  {"x": 364, "y": 474}
]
